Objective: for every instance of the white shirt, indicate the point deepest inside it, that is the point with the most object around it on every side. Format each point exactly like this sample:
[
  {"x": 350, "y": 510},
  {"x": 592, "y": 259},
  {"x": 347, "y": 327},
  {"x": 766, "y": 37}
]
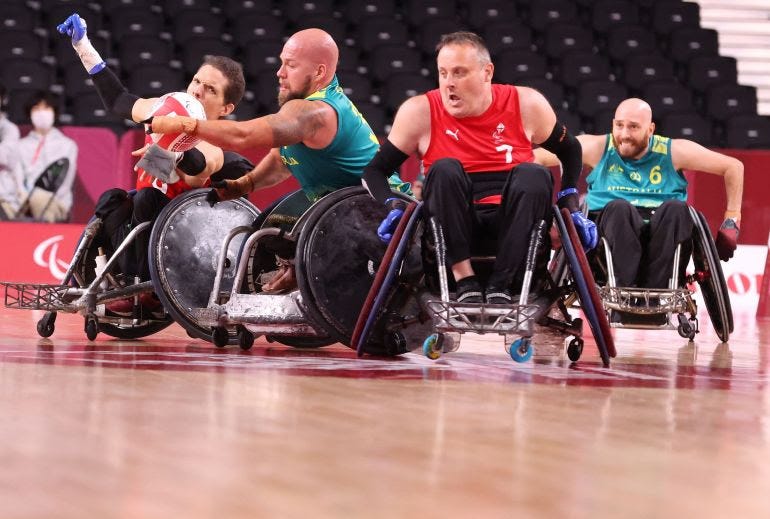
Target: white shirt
[
  {"x": 38, "y": 151},
  {"x": 10, "y": 173}
]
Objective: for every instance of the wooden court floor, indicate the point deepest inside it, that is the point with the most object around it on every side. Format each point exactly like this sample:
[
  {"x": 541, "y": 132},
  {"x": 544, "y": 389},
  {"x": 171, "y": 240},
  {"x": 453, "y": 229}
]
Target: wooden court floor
[{"x": 170, "y": 427}]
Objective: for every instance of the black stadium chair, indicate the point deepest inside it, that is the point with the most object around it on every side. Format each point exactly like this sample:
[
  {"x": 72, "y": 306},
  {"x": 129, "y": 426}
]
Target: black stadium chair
[
  {"x": 236, "y": 9},
  {"x": 155, "y": 80},
  {"x": 109, "y": 6},
  {"x": 706, "y": 71},
  {"x": 88, "y": 110},
  {"x": 607, "y": 14},
  {"x": 357, "y": 11},
  {"x": 244, "y": 111},
  {"x": 261, "y": 56},
  {"x": 258, "y": 26},
  {"x": 132, "y": 20},
  {"x": 667, "y": 98},
  {"x": 748, "y": 131},
  {"x": 399, "y": 87},
  {"x": 135, "y": 51},
  {"x": 349, "y": 59},
  {"x": 547, "y": 12},
  {"x": 18, "y": 18},
  {"x": 690, "y": 126},
  {"x": 24, "y": 74},
  {"x": 601, "y": 122},
  {"x": 334, "y": 26},
  {"x": 295, "y": 10},
  {"x": 552, "y": 90},
  {"x": 507, "y": 35},
  {"x": 198, "y": 23},
  {"x": 375, "y": 116},
  {"x": 577, "y": 67},
  {"x": 725, "y": 101},
  {"x": 691, "y": 42},
  {"x": 644, "y": 69},
  {"x": 77, "y": 81},
  {"x": 482, "y": 13},
  {"x": 266, "y": 93},
  {"x": 595, "y": 96},
  {"x": 514, "y": 65},
  {"x": 669, "y": 16},
  {"x": 420, "y": 11},
  {"x": 627, "y": 40},
  {"x": 561, "y": 38},
  {"x": 357, "y": 87},
  {"x": 21, "y": 44},
  {"x": 431, "y": 31},
  {"x": 172, "y": 8},
  {"x": 195, "y": 50},
  {"x": 387, "y": 60},
  {"x": 380, "y": 30}
]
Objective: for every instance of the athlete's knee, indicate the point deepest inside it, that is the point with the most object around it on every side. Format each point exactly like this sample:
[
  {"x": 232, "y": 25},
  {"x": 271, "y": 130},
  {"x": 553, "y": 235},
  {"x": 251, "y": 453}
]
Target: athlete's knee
[
  {"x": 110, "y": 201},
  {"x": 619, "y": 207},
  {"x": 532, "y": 180},
  {"x": 148, "y": 203}
]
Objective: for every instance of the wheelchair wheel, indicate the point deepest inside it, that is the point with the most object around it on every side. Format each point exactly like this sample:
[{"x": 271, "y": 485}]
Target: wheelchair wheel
[
  {"x": 715, "y": 295},
  {"x": 338, "y": 254},
  {"x": 86, "y": 271},
  {"x": 184, "y": 249},
  {"x": 590, "y": 301}
]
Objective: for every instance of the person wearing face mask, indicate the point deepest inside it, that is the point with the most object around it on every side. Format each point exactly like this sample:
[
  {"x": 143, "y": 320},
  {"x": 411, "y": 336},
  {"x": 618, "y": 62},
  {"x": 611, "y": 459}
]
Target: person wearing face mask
[
  {"x": 48, "y": 161},
  {"x": 10, "y": 180},
  {"x": 637, "y": 194}
]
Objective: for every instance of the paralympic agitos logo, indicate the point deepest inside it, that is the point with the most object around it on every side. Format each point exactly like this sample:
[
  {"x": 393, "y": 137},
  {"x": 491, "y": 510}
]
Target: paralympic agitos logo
[{"x": 46, "y": 255}]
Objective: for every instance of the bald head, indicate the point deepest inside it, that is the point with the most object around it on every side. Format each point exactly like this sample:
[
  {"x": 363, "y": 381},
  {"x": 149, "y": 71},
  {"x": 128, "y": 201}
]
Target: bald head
[
  {"x": 634, "y": 109},
  {"x": 316, "y": 48}
]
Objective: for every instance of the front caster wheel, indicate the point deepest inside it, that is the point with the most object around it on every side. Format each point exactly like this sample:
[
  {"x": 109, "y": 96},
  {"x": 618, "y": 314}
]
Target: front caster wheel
[
  {"x": 219, "y": 336},
  {"x": 92, "y": 328},
  {"x": 575, "y": 349},
  {"x": 245, "y": 337},
  {"x": 45, "y": 326},
  {"x": 521, "y": 349},
  {"x": 432, "y": 346}
]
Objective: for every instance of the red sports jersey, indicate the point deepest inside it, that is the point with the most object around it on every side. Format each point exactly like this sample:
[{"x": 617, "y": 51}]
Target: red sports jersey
[
  {"x": 492, "y": 141},
  {"x": 144, "y": 179}
]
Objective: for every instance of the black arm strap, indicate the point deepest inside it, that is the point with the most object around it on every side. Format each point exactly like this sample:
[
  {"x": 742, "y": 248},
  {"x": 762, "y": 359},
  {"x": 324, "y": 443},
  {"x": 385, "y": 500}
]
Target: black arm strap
[
  {"x": 569, "y": 151},
  {"x": 375, "y": 178},
  {"x": 192, "y": 163},
  {"x": 113, "y": 94}
]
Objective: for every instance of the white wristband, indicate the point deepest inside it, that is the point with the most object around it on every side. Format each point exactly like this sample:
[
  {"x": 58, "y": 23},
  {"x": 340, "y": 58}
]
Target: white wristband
[{"x": 91, "y": 59}]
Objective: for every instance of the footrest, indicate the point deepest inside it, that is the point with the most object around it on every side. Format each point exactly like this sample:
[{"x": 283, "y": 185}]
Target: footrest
[
  {"x": 482, "y": 318},
  {"x": 28, "y": 296}
]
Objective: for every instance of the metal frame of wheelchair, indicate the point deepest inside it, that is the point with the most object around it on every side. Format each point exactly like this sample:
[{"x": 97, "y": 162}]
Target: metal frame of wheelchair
[
  {"x": 86, "y": 291},
  {"x": 677, "y": 300},
  {"x": 549, "y": 308},
  {"x": 310, "y": 315}
]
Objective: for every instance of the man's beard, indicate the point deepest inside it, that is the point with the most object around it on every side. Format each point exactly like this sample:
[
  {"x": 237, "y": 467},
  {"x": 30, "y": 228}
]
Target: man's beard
[
  {"x": 637, "y": 148},
  {"x": 288, "y": 95}
]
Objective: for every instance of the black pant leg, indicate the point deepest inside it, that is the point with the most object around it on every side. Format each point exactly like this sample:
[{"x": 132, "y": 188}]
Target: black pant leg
[
  {"x": 148, "y": 203},
  {"x": 448, "y": 197},
  {"x": 620, "y": 223},
  {"x": 526, "y": 199},
  {"x": 670, "y": 225}
]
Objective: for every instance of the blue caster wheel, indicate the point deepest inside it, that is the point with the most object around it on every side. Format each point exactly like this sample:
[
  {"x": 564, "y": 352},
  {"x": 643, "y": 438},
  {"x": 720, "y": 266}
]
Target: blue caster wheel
[
  {"x": 521, "y": 350},
  {"x": 432, "y": 346}
]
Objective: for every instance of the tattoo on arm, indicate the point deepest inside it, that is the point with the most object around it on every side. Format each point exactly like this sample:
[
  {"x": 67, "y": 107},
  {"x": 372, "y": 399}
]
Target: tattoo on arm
[{"x": 296, "y": 121}]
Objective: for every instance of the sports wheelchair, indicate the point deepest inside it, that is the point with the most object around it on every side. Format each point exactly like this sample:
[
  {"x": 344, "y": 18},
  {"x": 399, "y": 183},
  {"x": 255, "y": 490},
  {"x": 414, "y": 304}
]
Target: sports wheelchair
[
  {"x": 93, "y": 279},
  {"x": 335, "y": 254},
  {"x": 398, "y": 278},
  {"x": 648, "y": 308}
]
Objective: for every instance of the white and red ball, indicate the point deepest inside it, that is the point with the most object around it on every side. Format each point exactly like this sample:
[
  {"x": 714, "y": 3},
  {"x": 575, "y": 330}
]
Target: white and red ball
[{"x": 177, "y": 104}]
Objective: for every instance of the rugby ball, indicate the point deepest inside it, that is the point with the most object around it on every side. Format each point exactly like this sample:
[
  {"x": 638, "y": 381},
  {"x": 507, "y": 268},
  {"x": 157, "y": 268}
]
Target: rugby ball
[{"x": 172, "y": 105}]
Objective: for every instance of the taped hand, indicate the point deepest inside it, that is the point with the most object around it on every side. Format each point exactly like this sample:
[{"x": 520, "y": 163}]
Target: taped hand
[
  {"x": 232, "y": 189},
  {"x": 727, "y": 239},
  {"x": 388, "y": 225}
]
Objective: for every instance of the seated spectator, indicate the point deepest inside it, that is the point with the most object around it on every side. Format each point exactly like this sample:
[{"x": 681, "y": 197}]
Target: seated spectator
[
  {"x": 10, "y": 182},
  {"x": 47, "y": 160}
]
